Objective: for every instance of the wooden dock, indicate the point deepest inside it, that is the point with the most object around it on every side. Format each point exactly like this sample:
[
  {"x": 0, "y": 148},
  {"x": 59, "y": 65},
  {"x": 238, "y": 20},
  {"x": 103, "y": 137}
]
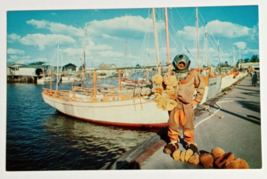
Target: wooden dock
[{"x": 21, "y": 79}]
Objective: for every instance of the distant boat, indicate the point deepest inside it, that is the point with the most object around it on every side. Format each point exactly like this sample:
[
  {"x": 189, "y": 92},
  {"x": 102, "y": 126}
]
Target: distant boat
[
  {"x": 139, "y": 82},
  {"x": 46, "y": 79},
  {"x": 70, "y": 78}
]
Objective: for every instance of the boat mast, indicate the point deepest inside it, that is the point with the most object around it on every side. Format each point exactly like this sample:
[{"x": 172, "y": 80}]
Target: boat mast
[
  {"x": 156, "y": 40},
  {"x": 50, "y": 78},
  {"x": 125, "y": 53},
  {"x": 57, "y": 67},
  {"x": 240, "y": 60},
  {"x": 147, "y": 70},
  {"x": 197, "y": 40},
  {"x": 234, "y": 65},
  {"x": 125, "y": 71},
  {"x": 206, "y": 45},
  {"x": 219, "y": 56},
  {"x": 84, "y": 43},
  {"x": 167, "y": 40}
]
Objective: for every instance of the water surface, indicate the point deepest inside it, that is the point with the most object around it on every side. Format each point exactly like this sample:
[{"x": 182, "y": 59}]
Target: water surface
[{"x": 41, "y": 138}]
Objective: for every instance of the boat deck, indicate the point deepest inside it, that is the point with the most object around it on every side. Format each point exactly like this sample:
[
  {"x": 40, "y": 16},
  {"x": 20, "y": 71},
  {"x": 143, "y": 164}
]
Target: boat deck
[{"x": 234, "y": 126}]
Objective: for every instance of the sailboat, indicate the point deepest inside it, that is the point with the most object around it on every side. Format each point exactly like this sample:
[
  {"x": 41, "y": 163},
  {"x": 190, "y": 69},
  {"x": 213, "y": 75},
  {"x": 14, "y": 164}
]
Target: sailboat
[
  {"x": 119, "y": 106},
  {"x": 50, "y": 76},
  {"x": 46, "y": 79},
  {"x": 214, "y": 80},
  {"x": 70, "y": 77},
  {"x": 130, "y": 80}
]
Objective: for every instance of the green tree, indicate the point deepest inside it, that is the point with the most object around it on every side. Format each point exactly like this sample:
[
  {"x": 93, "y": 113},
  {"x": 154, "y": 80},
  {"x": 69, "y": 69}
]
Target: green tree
[
  {"x": 254, "y": 58},
  {"x": 37, "y": 63},
  {"x": 246, "y": 60}
]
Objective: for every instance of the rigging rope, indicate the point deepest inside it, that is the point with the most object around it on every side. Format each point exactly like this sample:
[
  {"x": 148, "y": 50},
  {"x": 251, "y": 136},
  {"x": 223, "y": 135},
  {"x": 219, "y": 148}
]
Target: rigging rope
[{"x": 231, "y": 100}]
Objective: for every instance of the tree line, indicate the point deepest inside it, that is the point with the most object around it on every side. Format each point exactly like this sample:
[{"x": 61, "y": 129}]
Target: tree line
[{"x": 254, "y": 58}]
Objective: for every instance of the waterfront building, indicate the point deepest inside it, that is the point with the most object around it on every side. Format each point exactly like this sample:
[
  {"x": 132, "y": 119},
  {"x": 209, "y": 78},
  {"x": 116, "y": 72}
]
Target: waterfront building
[
  {"x": 254, "y": 65},
  {"x": 70, "y": 68}
]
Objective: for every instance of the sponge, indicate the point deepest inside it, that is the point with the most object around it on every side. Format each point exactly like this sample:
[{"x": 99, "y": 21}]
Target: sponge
[
  {"x": 194, "y": 160},
  {"x": 224, "y": 160},
  {"x": 188, "y": 154},
  {"x": 206, "y": 160},
  {"x": 157, "y": 80},
  {"x": 216, "y": 152},
  {"x": 237, "y": 164},
  {"x": 176, "y": 155},
  {"x": 170, "y": 81}
]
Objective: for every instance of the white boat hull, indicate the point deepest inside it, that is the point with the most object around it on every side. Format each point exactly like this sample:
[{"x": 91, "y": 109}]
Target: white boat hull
[
  {"x": 214, "y": 86},
  {"x": 69, "y": 79},
  {"x": 130, "y": 113},
  {"x": 227, "y": 81},
  {"x": 45, "y": 80}
]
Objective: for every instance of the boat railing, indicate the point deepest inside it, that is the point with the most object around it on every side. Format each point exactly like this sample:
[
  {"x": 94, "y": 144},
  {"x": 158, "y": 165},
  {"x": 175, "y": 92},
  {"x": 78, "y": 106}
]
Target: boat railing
[{"x": 66, "y": 96}]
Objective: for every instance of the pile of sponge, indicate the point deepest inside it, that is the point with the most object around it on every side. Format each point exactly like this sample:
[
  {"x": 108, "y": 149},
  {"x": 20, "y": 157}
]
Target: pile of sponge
[
  {"x": 218, "y": 158},
  {"x": 165, "y": 98}
]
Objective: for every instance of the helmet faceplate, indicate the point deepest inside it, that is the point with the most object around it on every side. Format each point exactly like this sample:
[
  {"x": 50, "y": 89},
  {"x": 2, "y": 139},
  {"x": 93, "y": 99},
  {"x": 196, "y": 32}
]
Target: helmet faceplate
[{"x": 181, "y": 63}]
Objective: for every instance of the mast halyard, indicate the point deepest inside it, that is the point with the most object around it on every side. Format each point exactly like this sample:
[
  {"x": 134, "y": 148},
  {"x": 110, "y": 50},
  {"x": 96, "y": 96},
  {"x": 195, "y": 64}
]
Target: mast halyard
[
  {"x": 156, "y": 40},
  {"x": 84, "y": 44},
  {"x": 167, "y": 41},
  {"x": 198, "y": 57}
]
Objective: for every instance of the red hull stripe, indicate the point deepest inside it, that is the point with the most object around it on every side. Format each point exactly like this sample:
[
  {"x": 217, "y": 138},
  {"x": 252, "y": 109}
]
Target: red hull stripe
[{"x": 120, "y": 124}]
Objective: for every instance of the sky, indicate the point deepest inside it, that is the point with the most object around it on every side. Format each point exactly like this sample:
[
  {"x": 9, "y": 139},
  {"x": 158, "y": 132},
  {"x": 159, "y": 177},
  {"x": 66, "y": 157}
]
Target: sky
[{"x": 125, "y": 36}]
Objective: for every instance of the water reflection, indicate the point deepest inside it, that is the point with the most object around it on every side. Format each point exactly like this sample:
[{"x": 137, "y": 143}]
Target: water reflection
[
  {"x": 40, "y": 138},
  {"x": 100, "y": 143}
]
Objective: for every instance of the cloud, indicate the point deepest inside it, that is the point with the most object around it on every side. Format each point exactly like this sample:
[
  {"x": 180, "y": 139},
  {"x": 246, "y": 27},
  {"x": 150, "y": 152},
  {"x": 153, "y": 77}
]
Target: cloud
[
  {"x": 110, "y": 28},
  {"x": 100, "y": 47},
  {"x": 39, "y": 24},
  {"x": 216, "y": 28},
  {"x": 110, "y": 54},
  {"x": 91, "y": 48},
  {"x": 241, "y": 45},
  {"x": 15, "y": 51},
  {"x": 11, "y": 38},
  {"x": 16, "y": 57},
  {"x": 227, "y": 29},
  {"x": 255, "y": 32},
  {"x": 57, "y": 28},
  {"x": 125, "y": 24},
  {"x": 253, "y": 51},
  {"x": 42, "y": 40},
  {"x": 73, "y": 51},
  {"x": 110, "y": 37}
]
